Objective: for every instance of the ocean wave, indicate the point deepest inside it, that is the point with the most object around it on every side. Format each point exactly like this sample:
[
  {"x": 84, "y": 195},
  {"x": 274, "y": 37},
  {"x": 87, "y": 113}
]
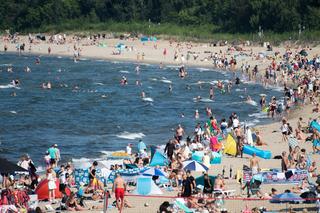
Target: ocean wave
[
  {"x": 166, "y": 81},
  {"x": 8, "y": 86},
  {"x": 252, "y": 102},
  {"x": 130, "y": 136},
  {"x": 124, "y": 71},
  {"x": 259, "y": 115},
  {"x": 13, "y": 112},
  {"x": 206, "y": 100},
  {"x": 98, "y": 83},
  {"x": 147, "y": 99},
  {"x": 203, "y": 69}
]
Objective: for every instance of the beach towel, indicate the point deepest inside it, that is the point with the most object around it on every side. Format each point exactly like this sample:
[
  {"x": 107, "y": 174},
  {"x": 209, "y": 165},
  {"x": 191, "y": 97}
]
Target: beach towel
[{"x": 215, "y": 145}]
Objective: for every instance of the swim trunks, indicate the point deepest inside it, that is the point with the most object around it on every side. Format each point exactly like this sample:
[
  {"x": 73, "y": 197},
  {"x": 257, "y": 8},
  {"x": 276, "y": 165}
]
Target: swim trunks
[{"x": 119, "y": 193}]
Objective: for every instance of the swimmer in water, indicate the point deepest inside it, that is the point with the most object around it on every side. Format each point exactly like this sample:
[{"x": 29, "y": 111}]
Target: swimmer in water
[
  {"x": 211, "y": 93},
  {"x": 198, "y": 98},
  {"x": 123, "y": 81},
  {"x": 138, "y": 69},
  {"x": 182, "y": 115},
  {"x": 249, "y": 99},
  {"x": 229, "y": 87},
  {"x": 9, "y": 69},
  {"x": 161, "y": 65},
  {"x": 37, "y": 60},
  {"x": 27, "y": 69},
  {"x": 170, "y": 88},
  {"x": 196, "y": 114},
  {"x": 209, "y": 112},
  {"x": 143, "y": 94}
]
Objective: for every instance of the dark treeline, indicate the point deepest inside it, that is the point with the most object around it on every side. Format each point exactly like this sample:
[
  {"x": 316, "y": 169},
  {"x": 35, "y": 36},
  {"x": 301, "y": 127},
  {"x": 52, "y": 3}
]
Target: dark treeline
[{"x": 228, "y": 15}]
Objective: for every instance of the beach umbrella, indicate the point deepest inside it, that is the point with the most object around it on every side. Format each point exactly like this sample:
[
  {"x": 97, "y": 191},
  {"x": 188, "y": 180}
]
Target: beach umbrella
[
  {"x": 287, "y": 197},
  {"x": 293, "y": 142},
  {"x": 193, "y": 165},
  {"x": 9, "y": 167},
  {"x": 154, "y": 172}
]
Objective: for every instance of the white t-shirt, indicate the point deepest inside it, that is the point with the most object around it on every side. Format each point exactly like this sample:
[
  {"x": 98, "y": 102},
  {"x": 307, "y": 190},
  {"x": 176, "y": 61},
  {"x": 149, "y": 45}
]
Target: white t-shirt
[
  {"x": 235, "y": 123},
  {"x": 129, "y": 150}
]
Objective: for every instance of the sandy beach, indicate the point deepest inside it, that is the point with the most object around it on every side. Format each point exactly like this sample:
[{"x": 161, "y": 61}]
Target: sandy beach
[{"x": 153, "y": 52}]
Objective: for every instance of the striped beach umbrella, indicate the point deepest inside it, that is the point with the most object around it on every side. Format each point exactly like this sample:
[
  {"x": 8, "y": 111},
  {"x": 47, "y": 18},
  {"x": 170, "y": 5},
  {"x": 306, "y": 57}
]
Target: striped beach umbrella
[
  {"x": 193, "y": 165},
  {"x": 293, "y": 142}
]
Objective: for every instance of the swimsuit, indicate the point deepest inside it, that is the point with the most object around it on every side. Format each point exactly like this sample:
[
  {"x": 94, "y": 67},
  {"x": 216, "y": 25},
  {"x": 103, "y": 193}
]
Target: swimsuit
[{"x": 119, "y": 193}]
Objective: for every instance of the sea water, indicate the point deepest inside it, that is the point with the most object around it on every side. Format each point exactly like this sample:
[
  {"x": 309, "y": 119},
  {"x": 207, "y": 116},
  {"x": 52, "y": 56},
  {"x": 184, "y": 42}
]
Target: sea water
[{"x": 88, "y": 113}]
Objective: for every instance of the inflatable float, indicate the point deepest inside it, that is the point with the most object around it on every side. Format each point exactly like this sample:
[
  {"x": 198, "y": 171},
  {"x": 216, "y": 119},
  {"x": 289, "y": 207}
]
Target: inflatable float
[{"x": 249, "y": 150}]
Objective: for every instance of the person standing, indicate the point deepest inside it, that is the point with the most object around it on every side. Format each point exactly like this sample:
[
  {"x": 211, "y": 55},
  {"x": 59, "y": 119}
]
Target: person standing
[
  {"x": 169, "y": 149},
  {"x": 186, "y": 187},
  {"x": 119, "y": 188},
  {"x": 254, "y": 164},
  {"x": 51, "y": 177},
  {"x": 129, "y": 149},
  {"x": 57, "y": 151},
  {"x": 53, "y": 157}
]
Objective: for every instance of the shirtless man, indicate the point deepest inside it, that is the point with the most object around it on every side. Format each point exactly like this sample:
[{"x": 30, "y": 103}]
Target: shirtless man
[
  {"x": 254, "y": 164},
  {"x": 179, "y": 133},
  {"x": 237, "y": 132},
  {"x": 119, "y": 188}
]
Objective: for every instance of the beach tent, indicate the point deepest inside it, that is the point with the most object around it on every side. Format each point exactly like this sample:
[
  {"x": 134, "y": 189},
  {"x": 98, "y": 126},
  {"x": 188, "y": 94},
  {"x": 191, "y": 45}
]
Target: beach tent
[
  {"x": 82, "y": 175},
  {"x": 197, "y": 156},
  {"x": 42, "y": 190},
  {"x": 230, "y": 146},
  {"x": 159, "y": 159},
  {"x": 146, "y": 186},
  {"x": 200, "y": 180},
  {"x": 120, "y": 46},
  {"x": 215, "y": 158},
  {"x": 144, "y": 38}
]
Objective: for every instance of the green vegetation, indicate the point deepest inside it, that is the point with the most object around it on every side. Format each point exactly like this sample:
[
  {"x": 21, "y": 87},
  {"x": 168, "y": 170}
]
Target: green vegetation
[{"x": 197, "y": 19}]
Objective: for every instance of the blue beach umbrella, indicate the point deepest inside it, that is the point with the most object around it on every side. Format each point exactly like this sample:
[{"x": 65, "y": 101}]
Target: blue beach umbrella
[
  {"x": 286, "y": 198},
  {"x": 193, "y": 165},
  {"x": 154, "y": 172}
]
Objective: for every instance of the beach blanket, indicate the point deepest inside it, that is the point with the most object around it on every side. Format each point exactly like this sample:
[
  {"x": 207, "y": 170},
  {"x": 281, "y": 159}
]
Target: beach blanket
[{"x": 276, "y": 177}]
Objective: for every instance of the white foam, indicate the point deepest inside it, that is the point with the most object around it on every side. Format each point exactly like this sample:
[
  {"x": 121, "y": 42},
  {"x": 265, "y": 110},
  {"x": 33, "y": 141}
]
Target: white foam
[
  {"x": 147, "y": 99},
  {"x": 153, "y": 79},
  {"x": 124, "y": 71},
  {"x": 166, "y": 81},
  {"x": 252, "y": 102},
  {"x": 13, "y": 112},
  {"x": 239, "y": 90},
  {"x": 130, "y": 136},
  {"x": 206, "y": 100},
  {"x": 259, "y": 115},
  {"x": 8, "y": 86},
  {"x": 98, "y": 83},
  {"x": 203, "y": 69}
]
